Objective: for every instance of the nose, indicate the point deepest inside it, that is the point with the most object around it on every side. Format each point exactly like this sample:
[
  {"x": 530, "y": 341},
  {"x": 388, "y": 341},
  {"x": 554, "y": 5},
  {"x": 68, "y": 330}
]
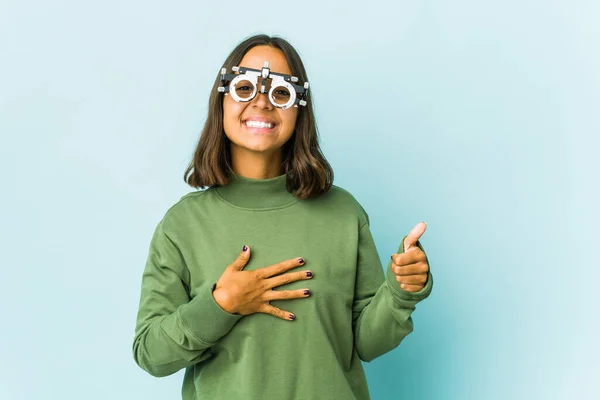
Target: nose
[{"x": 262, "y": 100}]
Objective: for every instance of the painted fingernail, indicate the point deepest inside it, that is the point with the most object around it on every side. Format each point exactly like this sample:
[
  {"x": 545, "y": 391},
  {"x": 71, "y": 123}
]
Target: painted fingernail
[
  {"x": 308, "y": 273},
  {"x": 244, "y": 248},
  {"x": 292, "y": 317},
  {"x": 306, "y": 292},
  {"x": 301, "y": 260}
]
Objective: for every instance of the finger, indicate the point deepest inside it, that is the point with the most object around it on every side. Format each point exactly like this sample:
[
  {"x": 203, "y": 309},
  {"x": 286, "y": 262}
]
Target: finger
[
  {"x": 414, "y": 235},
  {"x": 277, "y": 312},
  {"x": 412, "y": 257},
  {"x": 288, "y": 278},
  {"x": 286, "y": 294},
  {"x": 411, "y": 269},
  {"x": 242, "y": 259},
  {"x": 412, "y": 279},
  {"x": 411, "y": 288},
  {"x": 280, "y": 267}
]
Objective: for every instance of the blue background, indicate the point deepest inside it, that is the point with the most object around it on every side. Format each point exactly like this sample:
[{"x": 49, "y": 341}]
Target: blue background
[{"x": 479, "y": 117}]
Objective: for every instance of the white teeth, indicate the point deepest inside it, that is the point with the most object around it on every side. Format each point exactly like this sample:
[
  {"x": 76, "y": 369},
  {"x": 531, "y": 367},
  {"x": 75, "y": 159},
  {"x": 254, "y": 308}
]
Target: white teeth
[{"x": 259, "y": 124}]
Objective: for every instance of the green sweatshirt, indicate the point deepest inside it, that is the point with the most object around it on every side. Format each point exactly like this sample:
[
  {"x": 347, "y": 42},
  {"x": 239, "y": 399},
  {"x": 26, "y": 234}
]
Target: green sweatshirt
[{"x": 356, "y": 311}]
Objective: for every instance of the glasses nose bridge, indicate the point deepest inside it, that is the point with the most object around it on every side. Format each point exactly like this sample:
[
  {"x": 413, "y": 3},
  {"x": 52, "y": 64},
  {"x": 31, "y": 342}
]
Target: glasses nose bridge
[
  {"x": 263, "y": 97},
  {"x": 267, "y": 82}
]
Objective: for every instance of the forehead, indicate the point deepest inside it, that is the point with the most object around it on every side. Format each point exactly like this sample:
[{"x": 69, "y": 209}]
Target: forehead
[{"x": 256, "y": 57}]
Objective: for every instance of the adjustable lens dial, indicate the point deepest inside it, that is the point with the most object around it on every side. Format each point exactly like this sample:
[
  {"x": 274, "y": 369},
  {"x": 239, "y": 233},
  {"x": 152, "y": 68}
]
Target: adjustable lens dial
[
  {"x": 282, "y": 94},
  {"x": 243, "y": 87}
]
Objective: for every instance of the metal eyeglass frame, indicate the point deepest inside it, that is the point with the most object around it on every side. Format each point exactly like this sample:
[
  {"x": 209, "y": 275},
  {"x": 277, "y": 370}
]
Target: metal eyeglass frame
[{"x": 297, "y": 93}]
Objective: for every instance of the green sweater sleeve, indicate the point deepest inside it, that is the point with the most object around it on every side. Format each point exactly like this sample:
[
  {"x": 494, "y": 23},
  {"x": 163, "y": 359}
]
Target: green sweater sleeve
[
  {"x": 381, "y": 309},
  {"x": 172, "y": 330}
]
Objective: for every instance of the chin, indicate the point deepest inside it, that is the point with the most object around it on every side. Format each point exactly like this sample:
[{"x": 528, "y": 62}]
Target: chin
[{"x": 255, "y": 147}]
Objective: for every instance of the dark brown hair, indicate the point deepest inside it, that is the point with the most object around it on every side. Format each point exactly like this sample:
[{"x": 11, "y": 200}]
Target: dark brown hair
[{"x": 308, "y": 172}]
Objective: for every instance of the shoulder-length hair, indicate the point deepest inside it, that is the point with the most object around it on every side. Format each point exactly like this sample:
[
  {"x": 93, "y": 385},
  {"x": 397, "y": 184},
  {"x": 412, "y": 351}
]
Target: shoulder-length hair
[{"x": 308, "y": 172}]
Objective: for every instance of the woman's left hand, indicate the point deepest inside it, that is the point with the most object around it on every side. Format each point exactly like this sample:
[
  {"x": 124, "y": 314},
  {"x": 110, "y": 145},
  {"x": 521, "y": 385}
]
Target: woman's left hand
[{"x": 411, "y": 267}]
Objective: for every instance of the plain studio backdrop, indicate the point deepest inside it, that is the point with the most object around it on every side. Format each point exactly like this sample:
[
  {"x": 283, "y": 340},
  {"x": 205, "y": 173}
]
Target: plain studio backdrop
[{"x": 478, "y": 117}]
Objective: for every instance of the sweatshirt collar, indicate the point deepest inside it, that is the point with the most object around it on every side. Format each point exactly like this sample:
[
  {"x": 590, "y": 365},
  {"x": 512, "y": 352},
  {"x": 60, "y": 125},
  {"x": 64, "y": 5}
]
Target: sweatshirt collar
[{"x": 256, "y": 194}]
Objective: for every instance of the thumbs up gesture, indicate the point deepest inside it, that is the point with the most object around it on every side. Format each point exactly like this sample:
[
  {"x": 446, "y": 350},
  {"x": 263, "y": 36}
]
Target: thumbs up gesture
[{"x": 411, "y": 267}]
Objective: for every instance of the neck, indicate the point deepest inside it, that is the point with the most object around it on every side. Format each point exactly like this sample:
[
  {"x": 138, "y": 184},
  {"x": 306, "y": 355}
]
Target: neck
[{"x": 254, "y": 164}]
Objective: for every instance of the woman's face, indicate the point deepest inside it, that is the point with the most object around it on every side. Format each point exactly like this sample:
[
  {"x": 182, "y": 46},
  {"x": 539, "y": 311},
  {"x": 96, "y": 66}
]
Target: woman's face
[{"x": 236, "y": 115}]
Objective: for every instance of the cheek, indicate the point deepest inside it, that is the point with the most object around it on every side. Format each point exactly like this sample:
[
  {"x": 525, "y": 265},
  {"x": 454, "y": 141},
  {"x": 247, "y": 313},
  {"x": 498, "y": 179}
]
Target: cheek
[
  {"x": 289, "y": 119},
  {"x": 230, "y": 120},
  {"x": 231, "y": 111}
]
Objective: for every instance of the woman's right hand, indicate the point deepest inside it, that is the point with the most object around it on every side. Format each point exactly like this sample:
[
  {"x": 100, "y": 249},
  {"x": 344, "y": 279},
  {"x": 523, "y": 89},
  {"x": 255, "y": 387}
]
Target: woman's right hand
[{"x": 248, "y": 292}]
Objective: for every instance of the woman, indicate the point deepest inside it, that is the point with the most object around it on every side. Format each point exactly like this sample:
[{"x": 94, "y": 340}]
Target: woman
[{"x": 250, "y": 323}]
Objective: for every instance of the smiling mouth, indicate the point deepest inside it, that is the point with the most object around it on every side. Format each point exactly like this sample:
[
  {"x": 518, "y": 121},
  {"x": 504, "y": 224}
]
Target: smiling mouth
[{"x": 259, "y": 124}]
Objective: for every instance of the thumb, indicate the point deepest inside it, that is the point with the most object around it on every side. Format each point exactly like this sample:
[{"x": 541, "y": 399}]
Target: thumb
[
  {"x": 414, "y": 235},
  {"x": 242, "y": 259}
]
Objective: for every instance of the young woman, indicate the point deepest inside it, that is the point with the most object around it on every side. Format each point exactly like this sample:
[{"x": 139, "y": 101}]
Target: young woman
[{"x": 268, "y": 285}]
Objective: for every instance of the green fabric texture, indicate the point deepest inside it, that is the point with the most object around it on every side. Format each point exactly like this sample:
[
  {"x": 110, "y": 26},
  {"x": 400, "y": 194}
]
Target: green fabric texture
[{"x": 356, "y": 310}]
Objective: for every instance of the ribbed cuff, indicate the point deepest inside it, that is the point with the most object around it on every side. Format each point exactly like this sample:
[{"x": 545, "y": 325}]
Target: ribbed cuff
[{"x": 205, "y": 319}]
